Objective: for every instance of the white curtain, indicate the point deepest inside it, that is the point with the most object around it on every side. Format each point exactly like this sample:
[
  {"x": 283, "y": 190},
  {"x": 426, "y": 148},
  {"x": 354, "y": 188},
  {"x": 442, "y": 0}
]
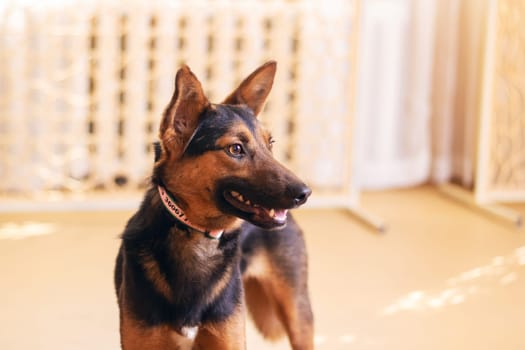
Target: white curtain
[{"x": 417, "y": 91}]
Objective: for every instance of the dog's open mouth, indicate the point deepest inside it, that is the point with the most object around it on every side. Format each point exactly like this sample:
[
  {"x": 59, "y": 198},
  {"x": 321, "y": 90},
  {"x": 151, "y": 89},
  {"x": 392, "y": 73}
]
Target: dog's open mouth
[{"x": 256, "y": 213}]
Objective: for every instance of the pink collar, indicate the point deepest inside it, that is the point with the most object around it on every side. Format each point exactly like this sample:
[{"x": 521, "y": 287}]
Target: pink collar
[{"x": 177, "y": 212}]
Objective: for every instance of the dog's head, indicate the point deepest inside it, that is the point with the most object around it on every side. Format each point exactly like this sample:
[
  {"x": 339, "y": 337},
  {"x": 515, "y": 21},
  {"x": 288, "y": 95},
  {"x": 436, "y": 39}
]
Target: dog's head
[{"x": 217, "y": 158}]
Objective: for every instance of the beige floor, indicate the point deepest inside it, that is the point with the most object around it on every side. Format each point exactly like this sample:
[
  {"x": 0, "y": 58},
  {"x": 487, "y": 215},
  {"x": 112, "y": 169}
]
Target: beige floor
[{"x": 443, "y": 277}]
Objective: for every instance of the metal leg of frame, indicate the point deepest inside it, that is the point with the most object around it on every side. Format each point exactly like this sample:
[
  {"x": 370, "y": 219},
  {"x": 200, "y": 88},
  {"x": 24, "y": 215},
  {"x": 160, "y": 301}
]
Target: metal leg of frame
[
  {"x": 368, "y": 219},
  {"x": 494, "y": 210}
]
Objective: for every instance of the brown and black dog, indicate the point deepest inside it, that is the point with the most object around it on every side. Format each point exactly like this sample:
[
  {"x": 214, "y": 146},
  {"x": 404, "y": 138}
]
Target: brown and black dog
[{"x": 212, "y": 233}]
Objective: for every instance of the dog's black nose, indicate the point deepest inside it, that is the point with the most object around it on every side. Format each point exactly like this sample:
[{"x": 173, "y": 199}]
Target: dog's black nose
[{"x": 302, "y": 194}]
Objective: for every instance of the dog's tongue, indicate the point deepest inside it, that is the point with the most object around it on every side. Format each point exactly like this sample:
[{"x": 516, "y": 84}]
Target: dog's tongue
[{"x": 280, "y": 214}]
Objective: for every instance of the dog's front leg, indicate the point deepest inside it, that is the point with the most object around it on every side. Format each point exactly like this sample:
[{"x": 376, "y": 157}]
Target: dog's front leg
[
  {"x": 135, "y": 336},
  {"x": 228, "y": 334}
]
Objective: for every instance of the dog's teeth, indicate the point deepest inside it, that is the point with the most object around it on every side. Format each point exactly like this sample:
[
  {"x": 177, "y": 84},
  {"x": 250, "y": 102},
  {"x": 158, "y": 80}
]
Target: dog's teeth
[
  {"x": 272, "y": 212},
  {"x": 248, "y": 202},
  {"x": 235, "y": 194},
  {"x": 240, "y": 197}
]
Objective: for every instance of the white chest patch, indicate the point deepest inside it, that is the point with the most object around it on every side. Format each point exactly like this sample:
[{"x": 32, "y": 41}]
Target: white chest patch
[
  {"x": 184, "y": 339},
  {"x": 190, "y": 332}
]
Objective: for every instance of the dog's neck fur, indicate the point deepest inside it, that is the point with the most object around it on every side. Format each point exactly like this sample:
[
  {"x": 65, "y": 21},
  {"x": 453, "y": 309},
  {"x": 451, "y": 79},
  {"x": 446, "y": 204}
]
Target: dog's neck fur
[{"x": 171, "y": 206}]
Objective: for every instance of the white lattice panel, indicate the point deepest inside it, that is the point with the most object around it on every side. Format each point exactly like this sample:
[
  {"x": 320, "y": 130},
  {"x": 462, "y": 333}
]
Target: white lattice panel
[
  {"x": 82, "y": 87},
  {"x": 501, "y": 166}
]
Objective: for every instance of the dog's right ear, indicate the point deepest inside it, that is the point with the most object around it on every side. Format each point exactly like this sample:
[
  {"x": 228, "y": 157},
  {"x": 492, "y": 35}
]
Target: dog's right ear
[{"x": 182, "y": 115}]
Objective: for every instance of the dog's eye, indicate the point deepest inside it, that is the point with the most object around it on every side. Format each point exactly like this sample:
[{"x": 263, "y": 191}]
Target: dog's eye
[
  {"x": 271, "y": 141},
  {"x": 235, "y": 150}
]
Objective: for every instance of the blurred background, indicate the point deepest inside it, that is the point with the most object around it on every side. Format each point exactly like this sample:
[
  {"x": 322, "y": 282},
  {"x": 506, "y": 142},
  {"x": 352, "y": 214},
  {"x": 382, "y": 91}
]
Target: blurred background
[{"x": 401, "y": 114}]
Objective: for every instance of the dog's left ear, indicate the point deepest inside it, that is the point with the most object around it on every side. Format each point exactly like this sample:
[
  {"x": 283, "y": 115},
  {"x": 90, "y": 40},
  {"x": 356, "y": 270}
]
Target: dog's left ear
[
  {"x": 255, "y": 88},
  {"x": 183, "y": 113}
]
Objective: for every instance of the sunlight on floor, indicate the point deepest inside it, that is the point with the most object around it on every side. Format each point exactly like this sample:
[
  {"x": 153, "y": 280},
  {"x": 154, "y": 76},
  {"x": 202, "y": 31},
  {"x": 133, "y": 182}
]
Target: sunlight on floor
[
  {"x": 502, "y": 271},
  {"x": 13, "y": 230}
]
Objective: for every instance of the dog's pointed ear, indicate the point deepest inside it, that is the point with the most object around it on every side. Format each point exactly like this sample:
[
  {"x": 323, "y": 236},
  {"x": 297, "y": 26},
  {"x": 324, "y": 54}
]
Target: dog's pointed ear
[
  {"x": 182, "y": 115},
  {"x": 255, "y": 88}
]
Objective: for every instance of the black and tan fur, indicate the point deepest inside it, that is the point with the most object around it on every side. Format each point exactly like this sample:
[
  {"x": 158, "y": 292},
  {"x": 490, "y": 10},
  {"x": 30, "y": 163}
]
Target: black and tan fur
[{"x": 170, "y": 278}]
